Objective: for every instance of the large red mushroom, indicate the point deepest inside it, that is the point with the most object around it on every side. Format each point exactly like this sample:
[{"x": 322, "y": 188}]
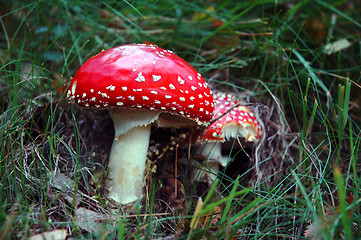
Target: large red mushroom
[{"x": 141, "y": 85}]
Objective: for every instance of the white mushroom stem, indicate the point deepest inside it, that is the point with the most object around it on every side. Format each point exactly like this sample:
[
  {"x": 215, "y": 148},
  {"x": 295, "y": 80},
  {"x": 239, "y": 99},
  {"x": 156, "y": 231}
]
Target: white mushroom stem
[
  {"x": 129, "y": 153},
  {"x": 213, "y": 153},
  {"x": 127, "y": 163}
]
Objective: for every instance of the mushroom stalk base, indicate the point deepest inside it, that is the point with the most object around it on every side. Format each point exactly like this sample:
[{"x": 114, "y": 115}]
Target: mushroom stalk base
[
  {"x": 213, "y": 153},
  {"x": 127, "y": 163}
]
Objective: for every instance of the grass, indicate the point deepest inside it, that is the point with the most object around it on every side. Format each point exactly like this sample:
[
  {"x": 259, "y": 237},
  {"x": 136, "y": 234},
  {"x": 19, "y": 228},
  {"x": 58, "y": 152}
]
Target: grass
[{"x": 301, "y": 181}]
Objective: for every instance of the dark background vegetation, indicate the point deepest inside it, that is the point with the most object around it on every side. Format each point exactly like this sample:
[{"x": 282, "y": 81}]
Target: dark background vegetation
[{"x": 297, "y": 62}]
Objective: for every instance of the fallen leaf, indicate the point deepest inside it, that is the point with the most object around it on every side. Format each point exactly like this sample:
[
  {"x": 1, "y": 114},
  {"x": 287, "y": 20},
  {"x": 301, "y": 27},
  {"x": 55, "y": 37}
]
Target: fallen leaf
[
  {"x": 62, "y": 182},
  {"x": 311, "y": 231},
  {"x": 316, "y": 29},
  {"x": 89, "y": 220},
  {"x": 337, "y": 46},
  {"x": 57, "y": 234},
  {"x": 213, "y": 216}
]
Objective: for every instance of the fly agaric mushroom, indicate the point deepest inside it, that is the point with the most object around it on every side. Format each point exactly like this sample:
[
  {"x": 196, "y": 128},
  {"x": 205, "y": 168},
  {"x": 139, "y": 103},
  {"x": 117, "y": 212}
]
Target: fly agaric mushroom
[
  {"x": 141, "y": 85},
  {"x": 233, "y": 121}
]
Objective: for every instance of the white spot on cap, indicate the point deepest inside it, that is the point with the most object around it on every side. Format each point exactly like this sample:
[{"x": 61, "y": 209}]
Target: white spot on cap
[
  {"x": 157, "y": 102},
  {"x": 120, "y": 103},
  {"x": 180, "y": 80},
  {"x": 154, "y": 92},
  {"x": 124, "y": 89},
  {"x": 200, "y": 96},
  {"x": 91, "y": 90},
  {"x": 145, "y": 98},
  {"x": 171, "y": 86},
  {"x": 111, "y": 87},
  {"x": 73, "y": 87},
  {"x": 156, "y": 78},
  {"x": 182, "y": 99},
  {"x": 193, "y": 88},
  {"x": 192, "y": 98},
  {"x": 201, "y": 109},
  {"x": 140, "y": 78},
  {"x": 168, "y": 96},
  {"x": 163, "y": 88},
  {"x": 93, "y": 99},
  {"x": 191, "y": 106},
  {"x": 84, "y": 95},
  {"x": 190, "y": 78},
  {"x": 131, "y": 98},
  {"x": 103, "y": 94}
]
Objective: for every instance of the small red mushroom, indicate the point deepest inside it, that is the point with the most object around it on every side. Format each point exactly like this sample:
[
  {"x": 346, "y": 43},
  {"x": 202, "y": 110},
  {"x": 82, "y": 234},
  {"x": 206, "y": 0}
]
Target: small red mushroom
[
  {"x": 141, "y": 85},
  {"x": 231, "y": 121}
]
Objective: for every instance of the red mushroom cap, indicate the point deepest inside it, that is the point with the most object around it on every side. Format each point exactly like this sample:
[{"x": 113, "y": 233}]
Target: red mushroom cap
[
  {"x": 142, "y": 76},
  {"x": 239, "y": 121}
]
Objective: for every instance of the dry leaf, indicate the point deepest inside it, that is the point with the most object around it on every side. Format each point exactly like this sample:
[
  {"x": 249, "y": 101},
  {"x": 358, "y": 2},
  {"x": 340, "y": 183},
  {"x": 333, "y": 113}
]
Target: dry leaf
[
  {"x": 311, "y": 231},
  {"x": 62, "y": 182},
  {"x": 316, "y": 29},
  {"x": 57, "y": 234},
  {"x": 337, "y": 46},
  {"x": 88, "y": 220},
  {"x": 213, "y": 216}
]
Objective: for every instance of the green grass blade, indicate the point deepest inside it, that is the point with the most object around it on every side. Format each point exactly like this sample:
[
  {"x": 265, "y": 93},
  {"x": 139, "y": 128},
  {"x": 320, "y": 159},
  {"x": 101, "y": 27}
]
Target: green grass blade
[{"x": 347, "y": 225}]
